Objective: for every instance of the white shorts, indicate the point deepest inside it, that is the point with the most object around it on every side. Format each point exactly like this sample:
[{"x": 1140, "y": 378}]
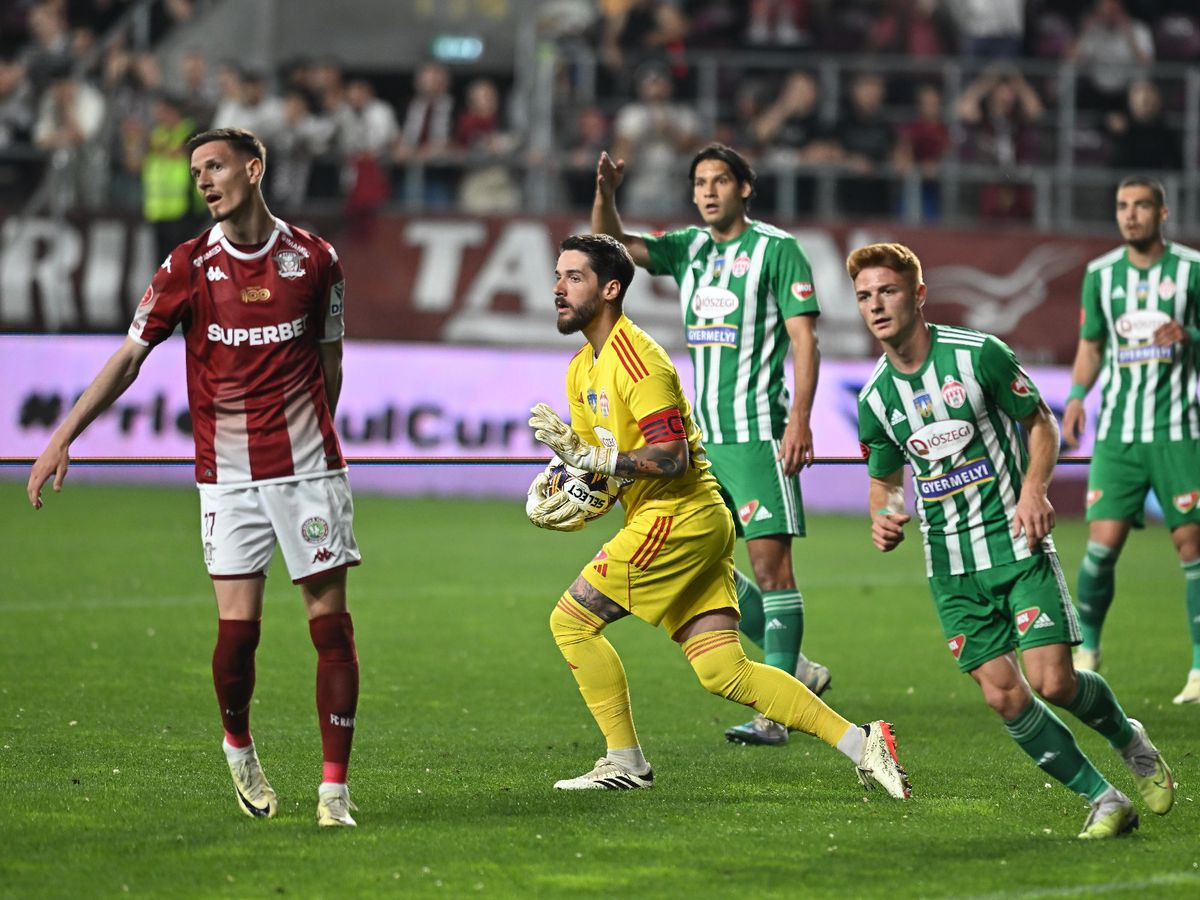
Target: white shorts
[{"x": 311, "y": 520}]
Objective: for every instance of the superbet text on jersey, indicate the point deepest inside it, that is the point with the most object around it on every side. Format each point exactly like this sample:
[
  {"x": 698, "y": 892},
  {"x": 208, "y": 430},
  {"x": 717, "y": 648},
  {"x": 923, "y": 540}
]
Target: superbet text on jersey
[{"x": 252, "y": 319}]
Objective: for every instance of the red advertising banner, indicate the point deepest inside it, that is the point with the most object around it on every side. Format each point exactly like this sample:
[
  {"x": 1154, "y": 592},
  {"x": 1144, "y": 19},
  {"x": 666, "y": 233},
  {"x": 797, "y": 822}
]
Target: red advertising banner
[{"x": 466, "y": 280}]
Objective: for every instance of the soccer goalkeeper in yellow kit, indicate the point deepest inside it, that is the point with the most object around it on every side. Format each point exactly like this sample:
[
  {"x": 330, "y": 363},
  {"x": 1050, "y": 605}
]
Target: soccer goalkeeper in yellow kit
[{"x": 672, "y": 562}]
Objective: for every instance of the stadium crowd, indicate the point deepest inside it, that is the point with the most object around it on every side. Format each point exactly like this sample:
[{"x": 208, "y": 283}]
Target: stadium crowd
[{"x": 80, "y": 99}]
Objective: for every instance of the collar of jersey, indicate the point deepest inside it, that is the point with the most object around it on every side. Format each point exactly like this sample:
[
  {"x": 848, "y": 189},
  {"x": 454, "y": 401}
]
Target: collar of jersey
[
  {"x": 620, "y": 323},
  {"x": 217, "y": 235}
]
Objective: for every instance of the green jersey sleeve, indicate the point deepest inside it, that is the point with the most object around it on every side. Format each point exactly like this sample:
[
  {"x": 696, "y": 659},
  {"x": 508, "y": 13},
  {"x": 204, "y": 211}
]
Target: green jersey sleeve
[
  {"x": 1004, "y": 381},
  {"x": 669, "y": 252},
  {"x": 882, "y": 455},
  {"x": 791, "y": 279},
  {"x": 1091, "y": 319}
]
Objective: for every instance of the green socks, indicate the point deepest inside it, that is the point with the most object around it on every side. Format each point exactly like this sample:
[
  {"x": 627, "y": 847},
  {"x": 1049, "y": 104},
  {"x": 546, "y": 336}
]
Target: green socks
[
  {"x": 750, "y": 602},
  {"x": 1191, "y": 574},
  {"x": 1041, "y": 734},
  {"x": 1094, "y": 591},
  {"x": 784, "y": 629},
  {"x": 1096, "y": 706}
]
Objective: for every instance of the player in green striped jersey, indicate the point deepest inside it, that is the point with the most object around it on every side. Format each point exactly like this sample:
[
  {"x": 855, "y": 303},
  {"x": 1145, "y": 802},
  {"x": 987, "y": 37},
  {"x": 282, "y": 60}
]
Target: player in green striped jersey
[
  {"x": 1140, "y": 337},
  {"x": 747, "y": 297},
  {"x": 948, "y": 401}
]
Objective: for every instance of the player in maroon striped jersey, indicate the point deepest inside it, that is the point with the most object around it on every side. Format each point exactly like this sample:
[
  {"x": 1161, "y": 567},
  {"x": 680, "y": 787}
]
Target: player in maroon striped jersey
[{"x": 259, "y": 304}]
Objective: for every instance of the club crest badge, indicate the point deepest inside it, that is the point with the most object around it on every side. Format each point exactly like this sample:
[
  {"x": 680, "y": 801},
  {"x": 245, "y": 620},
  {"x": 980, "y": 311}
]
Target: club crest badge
[
  {"x": 591, "y": 399},
  {"x": 923, "y": 404},
  {"x": 1166, "y": 288},
  {"x": 315, "y": 530},
  {"x": 953, "y": 392},
  {"x": 741, "y": 265},
  {"x": 603, "y": 403},
  {"x": 289, "y": 264}
]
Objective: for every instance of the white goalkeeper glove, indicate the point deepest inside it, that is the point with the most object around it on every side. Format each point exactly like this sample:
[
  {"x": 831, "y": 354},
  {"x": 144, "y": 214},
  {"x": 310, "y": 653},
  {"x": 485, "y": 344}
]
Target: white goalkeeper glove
[
  {"x": 574, "y": 451},
  {"x": 554, "y": 511}
]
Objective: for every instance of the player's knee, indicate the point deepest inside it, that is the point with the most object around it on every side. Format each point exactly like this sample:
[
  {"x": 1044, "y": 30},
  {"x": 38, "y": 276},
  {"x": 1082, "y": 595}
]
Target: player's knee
[
  {"x": 723, "y": 671},
  {"x": 1007, "y": 700},
  {"x": 570, "y": 623},
  {"x": 1057, "y": 687},
  {"x": 333, "y": 637},
  {"x": 1100, "y": 558}
]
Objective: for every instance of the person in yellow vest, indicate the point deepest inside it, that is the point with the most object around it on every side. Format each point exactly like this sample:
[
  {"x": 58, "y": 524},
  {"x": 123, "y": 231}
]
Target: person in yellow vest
[{"x": 170, "y": 201}]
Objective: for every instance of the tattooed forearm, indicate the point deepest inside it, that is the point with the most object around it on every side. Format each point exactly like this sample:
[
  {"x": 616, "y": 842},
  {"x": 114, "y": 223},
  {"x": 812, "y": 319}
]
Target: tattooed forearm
[{"x": 666, "y": 460}]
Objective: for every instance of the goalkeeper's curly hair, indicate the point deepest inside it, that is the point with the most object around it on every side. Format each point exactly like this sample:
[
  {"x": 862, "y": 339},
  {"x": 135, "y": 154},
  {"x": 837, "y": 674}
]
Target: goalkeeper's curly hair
[{"x": 608, "y": 258}]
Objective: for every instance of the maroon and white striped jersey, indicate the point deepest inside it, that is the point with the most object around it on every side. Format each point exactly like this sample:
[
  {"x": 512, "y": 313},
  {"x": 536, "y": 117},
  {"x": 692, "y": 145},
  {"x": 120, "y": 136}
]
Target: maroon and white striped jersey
[{"x": 252, "y": 318}]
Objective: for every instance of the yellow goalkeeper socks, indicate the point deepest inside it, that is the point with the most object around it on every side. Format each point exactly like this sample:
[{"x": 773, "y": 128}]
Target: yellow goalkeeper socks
[
  {"x": 722, "y": 667},
  {"x": 597, "y": 670}
]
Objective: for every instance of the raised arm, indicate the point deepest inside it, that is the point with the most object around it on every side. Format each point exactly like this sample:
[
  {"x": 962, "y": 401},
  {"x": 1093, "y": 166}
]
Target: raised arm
[
  {"x": 111, "y": 382},
  {"x": 605, "y": 218}
]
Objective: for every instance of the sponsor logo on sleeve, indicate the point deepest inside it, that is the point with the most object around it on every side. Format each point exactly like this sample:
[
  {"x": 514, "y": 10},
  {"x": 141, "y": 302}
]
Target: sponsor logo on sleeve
[
  {"x": 1020, "y": 385},
  {"x": 934, "y": 488},
  {"x": 741, "y": 265},
  {"x": 337, "y": 298},
  {"x": 864, "y": 450},
  {"x": 802, "y": 290},
  {"x": 956, "y": 644},
  {"x": 712, "y": 335},
  {"x": 953, "y": 392},
  {"x": 713, "y": 302},
  {"x": 937, "y": 440}
]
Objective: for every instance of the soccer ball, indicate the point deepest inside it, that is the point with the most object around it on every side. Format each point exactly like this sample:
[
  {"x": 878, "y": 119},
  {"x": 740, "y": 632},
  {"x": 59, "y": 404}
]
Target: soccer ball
[{"x": 593, "y": 492}]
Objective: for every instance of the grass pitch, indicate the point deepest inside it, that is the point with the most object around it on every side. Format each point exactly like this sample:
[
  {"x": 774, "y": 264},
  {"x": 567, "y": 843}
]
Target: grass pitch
[{"x": 114, "y": 780}]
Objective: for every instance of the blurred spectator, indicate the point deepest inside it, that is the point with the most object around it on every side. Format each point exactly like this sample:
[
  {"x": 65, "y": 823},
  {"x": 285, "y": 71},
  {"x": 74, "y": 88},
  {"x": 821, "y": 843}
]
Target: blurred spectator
[
  {"x": 170, "y": 202},
  {"x": 251, "y": 108},
  {"x": 913, "y": 28},
  {"x": 303, "y": 137},
  {"x": 50, "y": 48},
  {"x": 16, "y": 104},
  {"x": 589, "y": 136},
  {"x": 866, "y": 139},
  {"x": 197, "y": 87},
  {"x": 1141, "y": 139},
  {"x": 325, "y": 84},
  {"x": 654, "y": 135},
  {"x": 716, "y": 24},
  {"x": 737, "y": 127},
  {"x": 782, "y": 23},
  {"x": 366, "y": 131},
  {"x": 1111, "y": 48},
  {"x": 922, "y": 146},
  {"x": 426, "y": 134},
  {"x": 69, "y": 119},
  {"x": 635, "y": 31},
  {"x": 790, "y": 129},
  {"x": 990, "y": 29},
  {"x": 1000, "y": 110},
  {"x": 487, "y": 187}
]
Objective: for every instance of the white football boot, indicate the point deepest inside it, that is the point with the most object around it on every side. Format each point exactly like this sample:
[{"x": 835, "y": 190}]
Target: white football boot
[
  {"x": 879, "y": 763},
  {"x": 334, "y": 805},
  {"x": 606, "y": 776},
  {"x": 255, "y": 795}
]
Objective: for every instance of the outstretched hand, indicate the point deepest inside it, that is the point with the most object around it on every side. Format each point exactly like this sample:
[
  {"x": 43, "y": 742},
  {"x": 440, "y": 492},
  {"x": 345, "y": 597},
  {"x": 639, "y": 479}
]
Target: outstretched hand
[
  {"x": 567, "y": 445},
  {"x": 54, "y": 461}
]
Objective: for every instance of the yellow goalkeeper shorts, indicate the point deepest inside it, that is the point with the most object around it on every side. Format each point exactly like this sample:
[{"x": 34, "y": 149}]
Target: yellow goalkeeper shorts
[{"x": 667, "y": 566}]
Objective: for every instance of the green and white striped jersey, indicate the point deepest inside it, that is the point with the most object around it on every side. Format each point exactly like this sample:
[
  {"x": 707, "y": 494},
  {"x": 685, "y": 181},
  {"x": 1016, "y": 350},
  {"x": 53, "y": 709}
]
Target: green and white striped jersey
[
  {"x": 1148, "y": 393},
  {"x": 735, "y": 297},
  {"x": 955, "y": 422}
]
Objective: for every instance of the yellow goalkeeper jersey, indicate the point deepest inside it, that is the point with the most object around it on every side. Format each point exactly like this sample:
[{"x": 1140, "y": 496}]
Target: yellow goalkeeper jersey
[{"x": 629, "y": 396}]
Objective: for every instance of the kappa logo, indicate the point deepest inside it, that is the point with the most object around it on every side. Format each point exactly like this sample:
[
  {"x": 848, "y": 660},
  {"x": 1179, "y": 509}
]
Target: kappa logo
[
  {"x": 763, "y": 514},
  {"x": 897, "y": 417},
  {"x": 956, "y": 644},
  {"x": 1026, "y": 618},
  {"x": 1186, "y": 502},
  {"x": 746, "y": 512},
  {"x": 602, "y": 569},
  {"x": 166, "y": 264},
  {"x": 215, "y": 273},
  {"x": 322, "y": 555}
]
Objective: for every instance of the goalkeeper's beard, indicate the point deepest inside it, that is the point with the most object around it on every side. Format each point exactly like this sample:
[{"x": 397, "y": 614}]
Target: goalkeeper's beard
[{"x": 581, "y": 318}]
